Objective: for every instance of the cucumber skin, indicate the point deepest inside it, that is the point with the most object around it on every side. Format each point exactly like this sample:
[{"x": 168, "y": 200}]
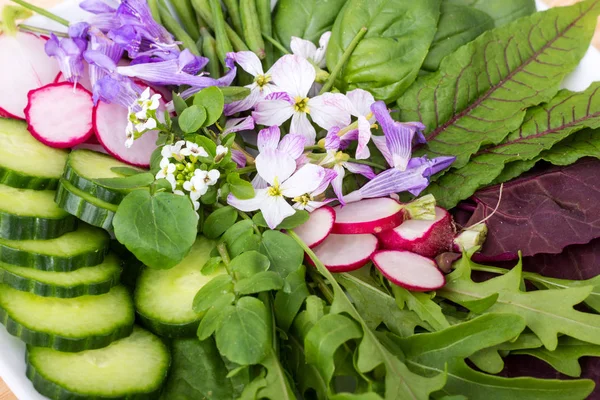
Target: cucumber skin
[
  {"x": 186, "y": 330},
  {"x": 23, "y": 181},
  {"x": 60, "y": 343},
  {"x": 19, "y": 227},
  {"x": 46, "y": 290},
  {"x": 94, "y": 189},
  {"x": 84, "y": 210}
]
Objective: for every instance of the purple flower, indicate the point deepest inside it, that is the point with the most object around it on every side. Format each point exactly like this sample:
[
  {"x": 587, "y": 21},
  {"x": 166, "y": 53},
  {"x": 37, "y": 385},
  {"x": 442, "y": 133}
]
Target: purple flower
[
  {"x": 137, "y": 14},
  {"x": 112, "y": 87},
  {"x": 238, "y": 124},
  {"x": 69, "y": 53},
  {"x": 225, "y": 80},
  {"x": 98, "y": 6},
  {"x": 100, "y": 43}
]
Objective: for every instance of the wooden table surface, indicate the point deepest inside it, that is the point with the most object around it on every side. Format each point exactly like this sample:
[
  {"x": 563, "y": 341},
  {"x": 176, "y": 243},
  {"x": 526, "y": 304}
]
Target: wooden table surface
[{"x": 5, "y": 393}]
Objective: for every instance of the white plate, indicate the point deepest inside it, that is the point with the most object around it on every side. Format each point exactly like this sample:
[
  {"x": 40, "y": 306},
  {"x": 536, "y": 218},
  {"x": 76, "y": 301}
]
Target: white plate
[{"x": 12, "y": 356}]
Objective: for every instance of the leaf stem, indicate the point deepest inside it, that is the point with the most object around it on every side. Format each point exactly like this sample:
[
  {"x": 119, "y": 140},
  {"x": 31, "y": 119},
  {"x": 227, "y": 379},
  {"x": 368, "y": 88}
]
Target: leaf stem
[
  {"x": 343, "y": 60},
  {"x": 365, "y": 162},
  {"x": 275, "y": 43},
  {"x": 222, "y": 249},
  {"x": 249, "y": 158},
  {"x": 35, "y": 29},
  {"x": 42, "y": 11},
  {"x": 318, "y": 279},
  {"x": 246, "y": 170}
]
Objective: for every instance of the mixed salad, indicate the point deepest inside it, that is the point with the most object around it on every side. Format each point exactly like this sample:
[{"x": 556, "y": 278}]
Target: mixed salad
[{"x": 342, "y": 199}]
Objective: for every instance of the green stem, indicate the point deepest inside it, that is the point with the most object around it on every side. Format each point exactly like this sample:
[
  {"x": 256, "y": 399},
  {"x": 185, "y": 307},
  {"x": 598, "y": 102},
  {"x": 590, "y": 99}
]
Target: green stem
[
  {"x": 222, "y": 249},
  {"x": 342, "y": 61},
  {"x": 246, "y": 170},
  {"x": 175, "y": 28},
  {"x": 311, "y": 148},
  {"x": 275, "y": 43},
  {"x": 246, "y": 216},
  {"x": 10, "y": 15},
  {"x": 249, "y": 158},
  {"x": 321, "y": 284},
  {"x": 41, "y": 11},
  {"x": 35, "y": 29},
  {"x": 365, "y": 162}
]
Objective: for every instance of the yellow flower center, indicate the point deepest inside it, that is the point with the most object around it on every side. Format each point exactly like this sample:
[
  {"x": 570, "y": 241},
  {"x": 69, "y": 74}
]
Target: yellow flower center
[
  {"x": 262, "y": 80},
  {"x": 274, "y": 190},
  {"x": 341, "y": 157},
  {"x": 301, "y": 104},
  {"x": 304, "y": 199}
]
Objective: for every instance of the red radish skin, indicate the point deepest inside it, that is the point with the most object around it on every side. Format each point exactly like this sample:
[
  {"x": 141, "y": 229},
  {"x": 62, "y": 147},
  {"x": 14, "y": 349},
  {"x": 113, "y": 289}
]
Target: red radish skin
[
  {"x": 427, "y": 238},
  {"x": 368, "y": 216},
  {"x": 24, "y": 66},
  {"x": 343, "y": 253},
  {"x": 319, "y": 225},
  {"x": 60, "y": 114},
  {"x": 409, "y": 270},
  {"x": 110, "y": 124}
]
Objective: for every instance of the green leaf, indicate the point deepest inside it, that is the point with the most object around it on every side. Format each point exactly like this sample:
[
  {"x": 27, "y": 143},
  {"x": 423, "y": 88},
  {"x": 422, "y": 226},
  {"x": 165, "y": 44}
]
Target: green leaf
[
  {"x": 489, "y": 359},
  {"x": 565, "y": 359},
  {"x": 234, "y": 93},
  {"x": 211, "y": 265},
  {"x": 581, "y": 144},
  {"x": 248, "y": 264},
  {"x": 324, "y": 339},
  {"x": 251, "y": 390},
  {"x": 139, "y": 180},
  {"x": 307, "y": 377},
  {"x": 480, "y": 92},
  {"x": 422, "y": 305},
  {"x": 246, "y": 242},
  {"x": 277, "y": 383},
  {"x": 243, "y": 336},
  {"x": 127, "y": 171},
  {"x": 179, "y": 103},
  {"x": 236, "y": 231},
  {"x": 593, "y": 300},
  {"x": 212, "y": 100},
  {"x": 158, "y": 229},
  {"x": 288, "y": 303},
  {"x": 387, "y": 60},
  {"x": 192, "y": 119},
  {"x": 208, "y": 144},
  {"x": 502, "y": 12},
  {"x": 217, "y": 291},
  {"x": 283, "y": 252},
  {"x": 241, "y": 188},
  {"x": 359, "y": 396},
  {"x": 546, "y": 312},
  {"x": 307, "y": 19},
  {"x": 480, "y": 306},
  {"x": 212, "y": 319},
  {"x": 543, "y": 127},
  {"x": 192, "y": 358},
  {"x": 219, "y": 221},
  {"x": 259, "y": 282},
  {"x": 291, "y": 222}
]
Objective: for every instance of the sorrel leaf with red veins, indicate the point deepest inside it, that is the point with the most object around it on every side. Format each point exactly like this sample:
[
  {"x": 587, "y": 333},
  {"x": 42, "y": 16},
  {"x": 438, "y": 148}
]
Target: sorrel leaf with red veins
[
  {"x": 543, "y": 126},
  {"x": 542, "y": 212},
  {"x": 480, "y": 92}
]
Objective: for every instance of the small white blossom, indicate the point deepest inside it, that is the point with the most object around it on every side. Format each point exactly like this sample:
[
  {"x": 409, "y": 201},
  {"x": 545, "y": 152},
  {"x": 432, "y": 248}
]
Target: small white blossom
[
  {"x": 196, "y": 186},
  {"x": 208, "y": 177},
  {"x": 147, "y": 125},
  {"x": 221, "y": 150},
  {"x": 196, "y": 204},
  {"x": 178, "y": 192},
  {"x": 148, "y": 103},
  {"x": 167, "y": 169},
  {"x": 173, "y": 151},
  {"x": 192, "y": 149}
]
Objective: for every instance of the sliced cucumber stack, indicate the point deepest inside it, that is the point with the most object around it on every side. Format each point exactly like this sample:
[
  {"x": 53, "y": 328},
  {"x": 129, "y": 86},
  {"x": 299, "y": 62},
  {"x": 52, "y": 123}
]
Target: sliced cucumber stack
[
  {"x": 131, "y": 368},
  {"x": 81, "y": 323},
  {"x": 32, "y": 214},
  {"x": 83, "y": 247},
  {"x": 25, "y": 162},
  {"x": 85, "y": 166},
  {"x": 164, "y": 297},
  {"x": 98, "y": 279}
]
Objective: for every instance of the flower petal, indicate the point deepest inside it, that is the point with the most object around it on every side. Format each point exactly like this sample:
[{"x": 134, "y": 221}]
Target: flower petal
[
  {"x": 274, "y": 165},
  {"x": 319, "y": 58},
  {"x": 272, "y": 112},
  {"x": 244, "y": 104},
  {"x": 268, "y": 138},
  {"x": 379, "y": 142},
  {"x": 361, "y": 169},
  {"x": 303, "y": 48},
  {"x": 238, "y": 124},
  {"x": 329, "y": 110},
  {"x": 292, "y": 144},
  {"x": 330, "y": 175},
  {"x": 238, "y": 158},
  {"x": 364, "y": 136},
  {"x": 332, "y": 140},
  {"x": 293, "y": 75},
  {"x": 248, "y": 61},
  {"x": 275, "y": 209},
  {"x": 305, "y": 180},
  {"x": 361, "y": 101},
  {"x": 301, "y": 125},
  {"x": 337, "y": 183},
  {"x": 259, "y": 183},
  {"x": 248, "y": 205}
]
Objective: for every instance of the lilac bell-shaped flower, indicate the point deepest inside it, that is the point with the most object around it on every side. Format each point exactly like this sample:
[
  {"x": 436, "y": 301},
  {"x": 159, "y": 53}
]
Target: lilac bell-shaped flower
[{"x": 69, "y": 53}]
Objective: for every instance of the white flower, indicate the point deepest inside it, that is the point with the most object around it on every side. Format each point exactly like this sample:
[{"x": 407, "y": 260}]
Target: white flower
[
  {"x": 196, "y": 204},
  {"x": 147, "y": 125},
  {"x": 192, "y": 149},
  {"x": 196, "y": 186},
  {"x": 129, "y": 134},
  {"x": 173, "y": 151},
  {"x": 308, "y": 50},
  {"x": 208, "y": 177},
  {"x": 221, "y": 150},
  {"x": 294, "y": 76},
  {"x": 148, "y": 103},
  {"x": 178, "y": 192},
  {"x": 166, "y": 169}
]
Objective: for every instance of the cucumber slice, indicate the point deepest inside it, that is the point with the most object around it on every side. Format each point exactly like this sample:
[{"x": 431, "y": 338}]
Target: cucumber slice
[
  {"x": 84, "y": 281},
  {"x": 81, "y": 323},
  {"x": 25, "y": 162},
  {"x": 83, "y": 247},
  {"x": 164, "y": 297},
  {"x": 32, "y": 214},
  {"x": 131, "y": 368},
  {"x": 84, "y": 166},
  {"x": 85, "y": 206}
]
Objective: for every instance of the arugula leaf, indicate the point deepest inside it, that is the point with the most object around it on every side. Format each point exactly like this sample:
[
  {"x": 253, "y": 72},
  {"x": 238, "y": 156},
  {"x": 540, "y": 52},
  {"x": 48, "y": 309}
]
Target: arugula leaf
[
  {"x": 387, "y": 60},
  {"x": 422, "y": 305},
  {"x": 159, "y": 229},
  {"x": 192, "y": 359},
  {"x": 565, "y": 359},
  {"x": 543, "y": 127},
  {"x": 277, "y": 386},
  {"x": 546, "y": 312},
  {"x": 288, "y": 303},
  {"x": 480, "y": 91},
  {"x": 593, "y": 300},
  {"x": 490, "y": 359}
]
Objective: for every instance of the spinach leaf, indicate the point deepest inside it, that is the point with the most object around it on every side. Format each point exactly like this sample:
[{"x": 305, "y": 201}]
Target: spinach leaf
[
  {"x": 387, "y": 60},
  {"x": 502, "y": 12},
  {"x": 481, "y": 90}
]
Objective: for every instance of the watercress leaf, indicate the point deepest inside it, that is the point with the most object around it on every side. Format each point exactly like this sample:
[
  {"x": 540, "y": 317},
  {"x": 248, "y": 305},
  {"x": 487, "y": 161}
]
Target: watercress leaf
[
  {"x": 387, "y": 60},
  {"x": 324, "y": 339},
  {"x": 277, "y": 383},
  {"x": 481, "y": 90},
  {"x": 422, "y": 305},
  {"x": 243, "y": 335},
  {"x": 308, "y": 19},
  {"x": 502, "y": 12},
  {"x": 212, "y": 100},
  {"x": 356, "y": 396},
  {"x": 248, "y": 264},
  {"x": 246, "y": 242},
  {"x": 543, "y": 127},
  {"x": 211, "y": 265},
  {"x": 126, "y": 171},
  {"x": 239, "y": 228},
  {"x": 159, "y": 229},
  {"x": 219, "y": 221},
  {"x": 291, "y": 222},
  {"x": 240, "y": 188},
  {"x": 192, "y": 358},
  {"x": 259, "y": 282},
  {"x": 179, "y": 103},
  {"x": 546, "y": 312},
  {"x": 283, "y": 252},
  {"x": 565, "y": 359},
  {"x": 210, "y": 294},
  {"x": 287, "y": 304},
  {"x": 129, "y": 182},
  {"x": 155, "y": 159},
  {"x": 234, "y": 93},
  {"x": 212, "y": 319},
  {"x": 192, "y": 119}
]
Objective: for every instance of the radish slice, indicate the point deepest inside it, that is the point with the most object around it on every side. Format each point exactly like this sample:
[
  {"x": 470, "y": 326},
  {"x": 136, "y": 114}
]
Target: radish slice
[
  {"x": 343, "y": 253},
  {"x": 24, "y": 66},
  {"x": 409, "y": 270},
  {"x": 368, "y": 216},
  {"x": 60, "y": 115},
  {"x": 427, "y": 238},
  {"x": 110, "y": 123},
  {"x": 319, "y": 225}
]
